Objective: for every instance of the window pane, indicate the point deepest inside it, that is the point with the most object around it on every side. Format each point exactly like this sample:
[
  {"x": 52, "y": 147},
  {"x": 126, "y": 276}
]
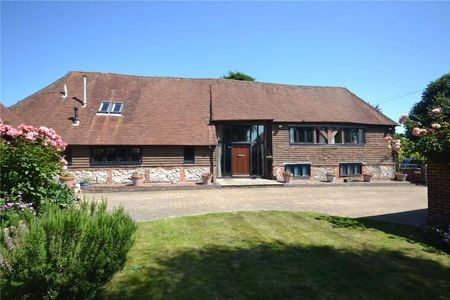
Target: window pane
[
  {"x": 337, "y": 138},
  {"x": 122, "y": 154},
  {"x": 104, "y": 107},
  {"x": 298, "y": 170},
  {"x": 98, "y": 155},
  {"x": 361, "y": 136},
  {"x": 110, "y": 154},
  {"x": 321, "y": 139},
  {"x": 301, "y": 134},
  {"x": 189, "y": 155},
  {"x": 135, "y": 154},
  {"x": 117, "y": 107}
]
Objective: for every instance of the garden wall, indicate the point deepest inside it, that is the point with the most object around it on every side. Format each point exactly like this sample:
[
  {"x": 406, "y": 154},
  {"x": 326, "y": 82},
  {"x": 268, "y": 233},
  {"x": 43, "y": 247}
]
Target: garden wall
[{"x": 438, "y": 193}]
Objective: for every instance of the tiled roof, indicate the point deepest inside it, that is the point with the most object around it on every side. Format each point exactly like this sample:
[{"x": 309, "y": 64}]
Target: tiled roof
[
  {"x": 176, "y": 111},
  {"x": 7, "y": 115}
]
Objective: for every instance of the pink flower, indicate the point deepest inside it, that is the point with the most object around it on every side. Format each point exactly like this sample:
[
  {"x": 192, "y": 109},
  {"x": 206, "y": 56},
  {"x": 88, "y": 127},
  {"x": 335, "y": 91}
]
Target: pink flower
[
  {"x": 436, "y": 125},
  {"x": 396, "y": 147},
  {"x": 63, "y": 160},
  {"x": 403, "y": 118},
  {"x": 416, "y": 131},
  {"x": 423, "y": 131},
  {"x": 31, "y": 135},
  {"x": 436, "y": 111},
  {"x": 388, "y": 138}
]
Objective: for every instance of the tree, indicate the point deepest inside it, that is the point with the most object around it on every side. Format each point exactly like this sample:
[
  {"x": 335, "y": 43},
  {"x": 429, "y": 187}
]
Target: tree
[
  {"x": 428, "y": 123},
  {"x": 238, "y": 76}
]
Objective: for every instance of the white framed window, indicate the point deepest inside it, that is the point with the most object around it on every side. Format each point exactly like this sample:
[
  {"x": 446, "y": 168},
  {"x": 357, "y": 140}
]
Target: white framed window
[
  {"x": 104, "y": 107},
  {"x": 117, "y": 108}
]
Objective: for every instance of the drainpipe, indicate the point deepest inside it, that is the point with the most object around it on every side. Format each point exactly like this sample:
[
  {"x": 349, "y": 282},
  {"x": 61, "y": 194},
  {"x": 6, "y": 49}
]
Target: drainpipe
[{"x": 84, "y": 91}]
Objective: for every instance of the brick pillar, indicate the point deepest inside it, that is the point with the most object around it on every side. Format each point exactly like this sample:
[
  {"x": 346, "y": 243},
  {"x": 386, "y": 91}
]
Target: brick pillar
[
  {"x": 438, "y": 192},
  {"x": 182, "y": 179}
]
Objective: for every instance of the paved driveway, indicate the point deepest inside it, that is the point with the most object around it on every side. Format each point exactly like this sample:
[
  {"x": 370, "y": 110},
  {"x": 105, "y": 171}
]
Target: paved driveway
[{"x": 404, "y": 204}]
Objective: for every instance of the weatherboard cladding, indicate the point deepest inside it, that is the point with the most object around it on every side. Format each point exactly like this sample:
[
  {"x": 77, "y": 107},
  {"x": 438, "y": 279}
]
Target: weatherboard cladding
[{"x": 178, "y": 111}]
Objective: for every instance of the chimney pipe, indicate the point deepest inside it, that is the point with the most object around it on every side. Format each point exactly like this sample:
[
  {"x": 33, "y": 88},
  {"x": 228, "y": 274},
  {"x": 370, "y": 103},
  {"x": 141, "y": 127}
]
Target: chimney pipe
[
  {"x": 65, "y": 91},
  {"x": 84, "y": 91},
  {"x": 75, "y": 119}
]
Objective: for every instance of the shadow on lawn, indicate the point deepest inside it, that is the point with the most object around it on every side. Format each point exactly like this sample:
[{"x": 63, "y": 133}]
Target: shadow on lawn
[
  {"x": 412, "y": 234},
  {"x": 277, "y": 270}
]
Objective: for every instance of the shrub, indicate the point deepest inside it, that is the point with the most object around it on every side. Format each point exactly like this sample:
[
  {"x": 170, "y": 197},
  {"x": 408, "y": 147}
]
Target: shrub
[
  {"x": 66, "y": 253},
  {"x": 30, "y": 158}
]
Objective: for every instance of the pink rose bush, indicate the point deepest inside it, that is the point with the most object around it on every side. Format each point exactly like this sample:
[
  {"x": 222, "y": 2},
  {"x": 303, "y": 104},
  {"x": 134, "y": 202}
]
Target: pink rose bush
[{"x": 47, "y": 136}]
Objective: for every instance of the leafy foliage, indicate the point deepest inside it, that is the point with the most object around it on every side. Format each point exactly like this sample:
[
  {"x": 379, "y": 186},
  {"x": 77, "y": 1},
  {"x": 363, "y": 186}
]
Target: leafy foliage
[
  {"x": 30, "y": 159},
  {"x": 66, "y": 253},
  {"x": 428, "y": 127},
  {"x": 238, "y": 76}
]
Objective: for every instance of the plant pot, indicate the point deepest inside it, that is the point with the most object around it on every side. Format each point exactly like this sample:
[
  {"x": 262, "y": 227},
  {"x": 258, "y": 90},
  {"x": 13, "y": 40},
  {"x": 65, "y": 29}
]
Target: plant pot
[
  {"x": 400, "y": 176},
  {"x": 206, "y": 178},
  {"x": 367, "y": 177},
  {"x": 330, "y": 177},
  {"x": 68, "y": 181},
  {"x": 137, "y": 180},
  {"x": 287, "y": 178}
]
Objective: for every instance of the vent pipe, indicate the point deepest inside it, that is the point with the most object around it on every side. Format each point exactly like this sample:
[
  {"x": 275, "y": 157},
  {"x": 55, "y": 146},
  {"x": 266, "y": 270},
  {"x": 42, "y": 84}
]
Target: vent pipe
[
  {"x": 75, "y": 119},
  {"x": 84, "y": 91},
  {"x": 65, "y": 91}
]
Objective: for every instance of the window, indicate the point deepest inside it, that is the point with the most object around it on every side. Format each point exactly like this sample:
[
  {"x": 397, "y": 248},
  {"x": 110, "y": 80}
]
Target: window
[
  {"x": 301, "y": 134},
  {"x": 354, "y": 136},
  {"x": 117, "y": 108},
  {"x": 108, "y": 107},
  {"x": 299, "y": 170},
  {"x": 104, "y": 107},
  {"x": 104, "y": 155},
  {"x": 326, "y": 135},
  {"x": 189, "y": 155},
  {"x": 350, "y": 169}
]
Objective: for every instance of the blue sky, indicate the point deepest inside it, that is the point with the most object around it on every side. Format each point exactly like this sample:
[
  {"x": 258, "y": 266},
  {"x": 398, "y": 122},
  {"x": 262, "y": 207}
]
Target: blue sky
[{"x": 379, "y": 50}]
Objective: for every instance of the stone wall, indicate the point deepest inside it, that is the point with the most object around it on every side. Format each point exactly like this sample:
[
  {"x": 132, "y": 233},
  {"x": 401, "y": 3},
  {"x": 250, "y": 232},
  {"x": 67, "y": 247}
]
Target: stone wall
[
  {"x": 179, "y": 174},
  {"x": 438, "y": 193}
]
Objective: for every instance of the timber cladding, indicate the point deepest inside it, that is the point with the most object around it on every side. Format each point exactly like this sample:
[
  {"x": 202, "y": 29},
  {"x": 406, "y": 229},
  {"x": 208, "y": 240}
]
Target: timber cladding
[
  {"x": 375, "y": 151},
  {"x": 152, "y": 156}
]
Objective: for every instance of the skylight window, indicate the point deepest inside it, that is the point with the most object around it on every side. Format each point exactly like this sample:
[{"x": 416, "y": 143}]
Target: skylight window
[
  {"x": 104, "y": 107},
  {"x": 117, "y": 108},
  {"x": 108, "y": 107}
]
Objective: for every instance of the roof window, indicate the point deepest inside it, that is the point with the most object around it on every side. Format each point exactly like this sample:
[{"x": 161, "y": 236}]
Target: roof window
[{"x": 108, "y": 107}]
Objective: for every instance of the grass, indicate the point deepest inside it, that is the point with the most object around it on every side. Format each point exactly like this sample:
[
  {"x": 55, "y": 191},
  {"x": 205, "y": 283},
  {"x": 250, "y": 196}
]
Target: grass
[{"x": 279, "y": 255}]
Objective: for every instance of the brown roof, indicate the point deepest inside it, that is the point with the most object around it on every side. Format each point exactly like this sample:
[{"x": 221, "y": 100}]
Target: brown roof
[
  {"x": 9, "y": 116},
  {"x": 176, "y": 111}
]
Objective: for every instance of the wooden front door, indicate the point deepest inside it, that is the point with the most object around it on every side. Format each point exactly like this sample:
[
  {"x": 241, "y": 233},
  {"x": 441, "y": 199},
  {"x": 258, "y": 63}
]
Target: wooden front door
[{"x": 240, "y": 160}]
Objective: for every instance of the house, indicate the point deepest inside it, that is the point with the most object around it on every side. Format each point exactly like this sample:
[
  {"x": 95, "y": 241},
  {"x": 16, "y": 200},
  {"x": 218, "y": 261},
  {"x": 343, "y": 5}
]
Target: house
[
  {"x": 9, "y": 117},
  {"x": 175, "y": 129}
]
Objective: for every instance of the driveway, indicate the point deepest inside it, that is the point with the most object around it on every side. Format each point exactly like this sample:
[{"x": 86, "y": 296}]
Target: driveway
[{"x": 403, "y": 204}]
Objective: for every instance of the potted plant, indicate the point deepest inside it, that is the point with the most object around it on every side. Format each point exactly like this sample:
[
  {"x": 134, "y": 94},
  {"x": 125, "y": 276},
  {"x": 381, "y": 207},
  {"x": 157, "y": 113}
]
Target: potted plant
[
  {"x": 287, "y": 176},
  {"x": 137, "y": 178},
  {"x": 67, "y": 179},
  {"x": 206, "y": 177},
  {"x": 331, "y": 177},
  {"x": 367, "y": 177},
  {"x": 400, "y": 176},
  {"x": 85, "y": 181}
]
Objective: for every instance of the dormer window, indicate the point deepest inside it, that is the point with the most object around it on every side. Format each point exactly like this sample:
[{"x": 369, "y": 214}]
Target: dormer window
[{"x": 108, "y": 107}]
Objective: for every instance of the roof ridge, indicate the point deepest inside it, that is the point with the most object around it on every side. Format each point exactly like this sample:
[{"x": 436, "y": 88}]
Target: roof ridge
[{"x": 206, "y": 79}]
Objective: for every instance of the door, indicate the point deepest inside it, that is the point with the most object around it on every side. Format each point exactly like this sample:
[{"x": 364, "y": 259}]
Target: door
[{"x": 240, "y": 160}]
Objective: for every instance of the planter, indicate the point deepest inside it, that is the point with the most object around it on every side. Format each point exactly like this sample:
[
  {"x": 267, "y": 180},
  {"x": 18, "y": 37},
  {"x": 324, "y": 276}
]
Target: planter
[
  {"x": 400, "y": 176},
  {"x": 330, "y": 177},
  {"x": 287, "y": 178},
  {"x": 69, "y": 181},
  {"x": 206, "y": 178},
  {"x": 138, "y": 180},
  {"x": 367, "y": 177}
]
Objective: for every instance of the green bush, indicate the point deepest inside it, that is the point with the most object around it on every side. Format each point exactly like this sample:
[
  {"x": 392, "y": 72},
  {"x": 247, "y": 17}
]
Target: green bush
[
  {"x": 66, "y": 253},
  {"x": 30, "y": 158}
]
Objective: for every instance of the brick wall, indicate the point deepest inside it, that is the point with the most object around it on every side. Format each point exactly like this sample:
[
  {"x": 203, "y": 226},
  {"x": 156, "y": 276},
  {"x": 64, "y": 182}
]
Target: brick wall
[
  {"x": 438, "y": 192},
  {"x": 374, "y": 153}
]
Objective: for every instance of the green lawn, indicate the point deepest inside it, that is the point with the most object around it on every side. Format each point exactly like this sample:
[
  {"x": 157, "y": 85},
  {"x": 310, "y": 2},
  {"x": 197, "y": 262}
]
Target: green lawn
[{"x": 276, "y": 255}]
